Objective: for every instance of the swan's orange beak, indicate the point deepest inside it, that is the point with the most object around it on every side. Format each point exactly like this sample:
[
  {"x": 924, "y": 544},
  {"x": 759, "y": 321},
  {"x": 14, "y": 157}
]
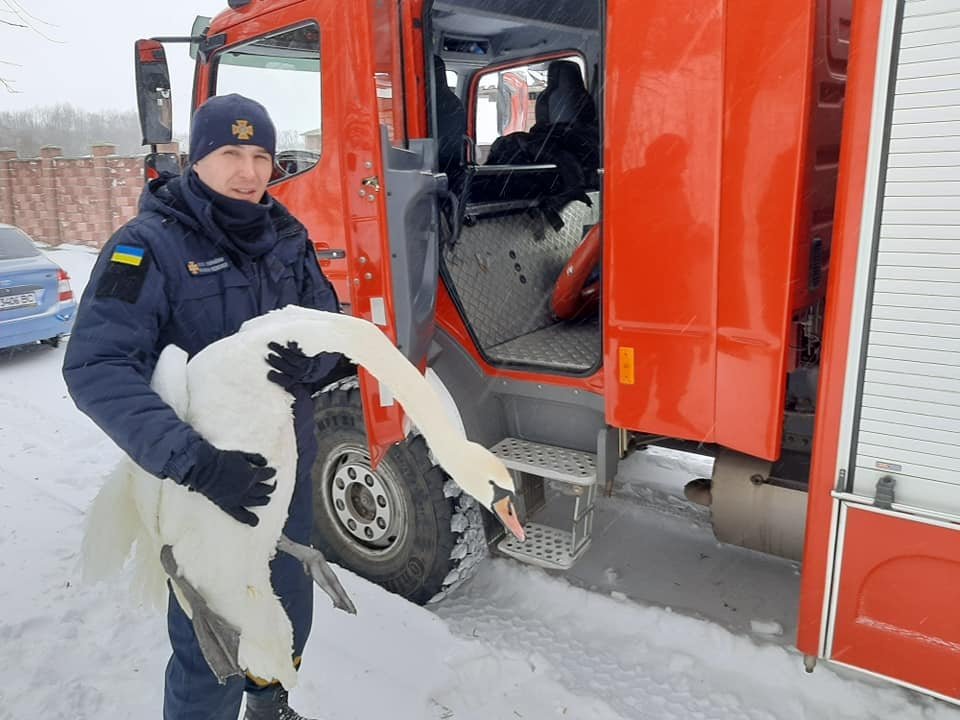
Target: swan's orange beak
[{"x": 508, "y": 516}]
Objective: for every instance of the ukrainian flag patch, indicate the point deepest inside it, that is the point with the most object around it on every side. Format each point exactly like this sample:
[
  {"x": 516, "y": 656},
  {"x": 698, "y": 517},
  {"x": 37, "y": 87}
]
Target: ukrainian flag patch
[{"x": 127, "y": 255}]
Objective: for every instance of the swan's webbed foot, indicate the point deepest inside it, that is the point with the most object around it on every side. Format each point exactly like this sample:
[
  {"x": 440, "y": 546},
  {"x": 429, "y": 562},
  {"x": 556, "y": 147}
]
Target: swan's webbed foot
[
  {"x": 316, "y": 565},
  {"x": 219, "y": 641}
]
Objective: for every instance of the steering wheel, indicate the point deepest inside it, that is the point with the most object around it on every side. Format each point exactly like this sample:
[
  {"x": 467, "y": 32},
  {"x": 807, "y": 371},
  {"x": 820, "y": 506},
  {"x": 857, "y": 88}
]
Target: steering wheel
[
  {"x": 291, "y": 162},
  {"x": 285, "y": 163},
  {"x": 577, "y": 291},
  {"x": 279, "y": 172}
]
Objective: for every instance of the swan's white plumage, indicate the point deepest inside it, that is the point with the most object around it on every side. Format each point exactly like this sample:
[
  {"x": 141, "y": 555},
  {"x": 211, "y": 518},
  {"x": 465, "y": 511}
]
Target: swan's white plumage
[
  {"x": 125, "y": 512},
  {"x": 223, "y": 392}
]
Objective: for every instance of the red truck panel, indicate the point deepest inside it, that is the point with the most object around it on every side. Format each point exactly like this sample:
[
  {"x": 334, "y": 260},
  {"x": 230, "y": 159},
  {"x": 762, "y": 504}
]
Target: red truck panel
[
  {"x": 853, "y": 164},
  {"x": 895, "y": 614},
  {"x": 707, "y": 110}
]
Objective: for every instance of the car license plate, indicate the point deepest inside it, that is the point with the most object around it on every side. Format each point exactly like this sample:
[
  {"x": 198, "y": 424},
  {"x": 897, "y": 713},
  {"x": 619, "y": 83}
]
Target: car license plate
[{"x": 21, "y": 300}]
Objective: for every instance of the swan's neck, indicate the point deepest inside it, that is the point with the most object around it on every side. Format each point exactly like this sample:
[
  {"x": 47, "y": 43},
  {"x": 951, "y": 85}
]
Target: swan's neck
[{"x": 317, "y": 331}]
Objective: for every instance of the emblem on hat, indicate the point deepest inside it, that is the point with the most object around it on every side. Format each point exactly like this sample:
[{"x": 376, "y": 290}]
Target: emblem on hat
[{"x": 243, "y": 130}]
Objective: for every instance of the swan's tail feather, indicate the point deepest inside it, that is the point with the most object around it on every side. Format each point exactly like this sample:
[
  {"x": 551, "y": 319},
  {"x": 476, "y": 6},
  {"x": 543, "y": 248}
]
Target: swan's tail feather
[
  {"x": 114, "y": 528},
  {"x": 149, "y": 579},
  {"x": 111, "y": 528}
]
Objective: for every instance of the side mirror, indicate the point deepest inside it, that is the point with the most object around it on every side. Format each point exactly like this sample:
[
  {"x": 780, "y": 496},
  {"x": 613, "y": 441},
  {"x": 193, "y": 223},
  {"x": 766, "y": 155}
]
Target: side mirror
[
  {"x": 160, "y": 163},
  {"x": 153, "y": 92},
  {"x": 201, "y": 24}
]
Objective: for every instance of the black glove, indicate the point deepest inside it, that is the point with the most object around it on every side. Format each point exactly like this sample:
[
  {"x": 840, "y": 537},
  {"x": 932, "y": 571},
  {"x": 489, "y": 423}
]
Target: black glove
[
  {"x": 233, "y": 480},
  {"x": 291, "y": 367}
]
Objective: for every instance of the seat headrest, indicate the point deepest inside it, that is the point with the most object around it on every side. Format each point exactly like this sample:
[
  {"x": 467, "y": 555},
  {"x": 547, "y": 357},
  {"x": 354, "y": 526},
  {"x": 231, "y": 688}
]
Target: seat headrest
[
  {"x": 565, "y": 99},
  {"x": 564, "y": 73}
]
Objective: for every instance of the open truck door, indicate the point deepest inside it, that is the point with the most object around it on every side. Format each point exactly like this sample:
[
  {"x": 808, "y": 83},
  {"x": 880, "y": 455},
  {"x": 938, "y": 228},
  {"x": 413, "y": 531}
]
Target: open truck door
[
  {"x": 390, "y": 192},
  {"x": 401, "y": 296},
  {"x": 882, "y": 556}
]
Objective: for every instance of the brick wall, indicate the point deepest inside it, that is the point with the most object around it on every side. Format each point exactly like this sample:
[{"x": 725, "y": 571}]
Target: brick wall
[{"x": 81, "y": 201}]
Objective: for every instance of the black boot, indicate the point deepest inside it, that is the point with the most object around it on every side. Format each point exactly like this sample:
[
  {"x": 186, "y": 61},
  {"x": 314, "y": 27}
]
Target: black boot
[{"x": 270, "y": 704}]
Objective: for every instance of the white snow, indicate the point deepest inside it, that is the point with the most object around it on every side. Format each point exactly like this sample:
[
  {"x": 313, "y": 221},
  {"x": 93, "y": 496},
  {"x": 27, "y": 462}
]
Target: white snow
[
  {"x": 766, "y": 627},
  {"x": 676, "y": 626}
]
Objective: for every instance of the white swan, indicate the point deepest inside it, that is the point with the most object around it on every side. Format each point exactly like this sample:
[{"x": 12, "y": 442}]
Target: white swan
[{"x": 224, "y": 394}]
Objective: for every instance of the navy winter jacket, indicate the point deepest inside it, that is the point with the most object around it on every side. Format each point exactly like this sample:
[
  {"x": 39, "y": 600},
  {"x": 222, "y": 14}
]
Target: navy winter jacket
[{"x": 170, "y": 275}]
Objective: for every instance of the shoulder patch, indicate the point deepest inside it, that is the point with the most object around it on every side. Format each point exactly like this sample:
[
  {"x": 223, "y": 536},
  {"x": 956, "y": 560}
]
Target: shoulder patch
[
  {"x": 127, "y": 255},
  {"x": 125, "y": 274}
]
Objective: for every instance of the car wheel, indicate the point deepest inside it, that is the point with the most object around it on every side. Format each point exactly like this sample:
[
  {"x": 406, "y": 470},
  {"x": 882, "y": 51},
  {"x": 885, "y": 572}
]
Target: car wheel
[{"x": 405, "y": 526}]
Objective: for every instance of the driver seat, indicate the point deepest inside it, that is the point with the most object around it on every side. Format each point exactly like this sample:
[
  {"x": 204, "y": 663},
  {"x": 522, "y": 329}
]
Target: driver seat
[
  {"x": 567, "y": 119},
  {"x": 565, "y": 99}
]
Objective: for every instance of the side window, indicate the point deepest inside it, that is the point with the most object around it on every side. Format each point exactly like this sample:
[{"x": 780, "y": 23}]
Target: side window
[
  {"x": 506, "y": 101},
  {"x": 388, "y": 70},
  {"x": 282, "y": 71}
]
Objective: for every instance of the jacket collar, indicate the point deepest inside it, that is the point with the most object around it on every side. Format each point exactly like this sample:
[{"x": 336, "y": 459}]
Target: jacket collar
[{"x": 164, "y": 196}]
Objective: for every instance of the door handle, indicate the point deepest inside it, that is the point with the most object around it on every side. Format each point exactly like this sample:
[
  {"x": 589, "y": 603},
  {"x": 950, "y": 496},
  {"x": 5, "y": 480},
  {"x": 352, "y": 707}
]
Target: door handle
[{"x": 335, "y": 254}]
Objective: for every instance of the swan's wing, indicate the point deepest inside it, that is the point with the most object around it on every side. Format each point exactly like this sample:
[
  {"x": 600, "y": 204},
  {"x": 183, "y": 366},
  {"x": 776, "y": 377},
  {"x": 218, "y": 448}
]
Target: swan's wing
[
  {"x": 170, "y": 379},
  {"x": 125, "y": 512},
  {"x": 170, "y": 383}
]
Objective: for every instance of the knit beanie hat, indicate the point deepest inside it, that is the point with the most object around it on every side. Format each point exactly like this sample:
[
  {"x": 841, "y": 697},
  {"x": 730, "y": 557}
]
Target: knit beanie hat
[{"x": 230, "y": 120}]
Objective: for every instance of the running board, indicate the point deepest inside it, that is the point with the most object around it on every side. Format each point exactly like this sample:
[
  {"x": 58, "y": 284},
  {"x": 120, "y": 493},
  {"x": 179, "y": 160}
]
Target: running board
[{"x": 545, "y": 546}]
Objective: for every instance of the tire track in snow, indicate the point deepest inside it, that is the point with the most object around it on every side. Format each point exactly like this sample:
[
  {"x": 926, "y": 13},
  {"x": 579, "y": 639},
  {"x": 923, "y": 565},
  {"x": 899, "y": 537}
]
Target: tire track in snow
[{"x": 651, "y": 664}]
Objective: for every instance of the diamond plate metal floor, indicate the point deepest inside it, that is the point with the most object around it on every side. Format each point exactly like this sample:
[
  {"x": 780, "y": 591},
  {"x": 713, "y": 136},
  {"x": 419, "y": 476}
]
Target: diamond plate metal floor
[
  {"x": 561, "y": 346},
  {"x": 547, "y": 461},
  {"x": 545, "y": 547}
]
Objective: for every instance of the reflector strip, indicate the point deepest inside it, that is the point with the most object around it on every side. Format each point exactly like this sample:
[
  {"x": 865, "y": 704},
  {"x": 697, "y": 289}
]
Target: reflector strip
[{"x": 627, "y": 368}]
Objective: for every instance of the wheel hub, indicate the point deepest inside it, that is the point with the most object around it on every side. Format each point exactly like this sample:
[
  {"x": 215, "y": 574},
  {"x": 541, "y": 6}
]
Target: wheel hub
[{"x": 366, "y": 503}]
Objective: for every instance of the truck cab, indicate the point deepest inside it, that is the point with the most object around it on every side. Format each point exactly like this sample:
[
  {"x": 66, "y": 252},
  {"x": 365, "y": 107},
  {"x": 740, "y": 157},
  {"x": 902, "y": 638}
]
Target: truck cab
[{"x": 596, "y": 227}]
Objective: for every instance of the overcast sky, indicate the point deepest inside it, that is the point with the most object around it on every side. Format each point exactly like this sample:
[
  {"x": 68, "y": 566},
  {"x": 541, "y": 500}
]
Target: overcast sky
[{"x": 91, "y": 65}]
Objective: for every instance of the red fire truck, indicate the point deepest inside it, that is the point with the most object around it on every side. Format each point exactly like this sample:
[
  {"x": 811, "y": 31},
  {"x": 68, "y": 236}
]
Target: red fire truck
[{"x": 772, "y": 275}]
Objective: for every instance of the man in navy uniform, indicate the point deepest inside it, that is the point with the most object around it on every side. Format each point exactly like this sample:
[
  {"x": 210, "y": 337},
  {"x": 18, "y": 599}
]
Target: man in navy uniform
[{"x": 208, "y": 251}]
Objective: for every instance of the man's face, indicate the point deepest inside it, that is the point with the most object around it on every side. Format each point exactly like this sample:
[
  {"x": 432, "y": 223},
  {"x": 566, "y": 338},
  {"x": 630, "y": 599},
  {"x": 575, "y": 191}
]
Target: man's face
[{"x": 240, "y": 172}]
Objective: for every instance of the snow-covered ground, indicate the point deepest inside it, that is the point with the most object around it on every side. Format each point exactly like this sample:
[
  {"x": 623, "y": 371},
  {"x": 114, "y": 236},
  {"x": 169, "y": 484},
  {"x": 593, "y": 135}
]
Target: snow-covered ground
[{"x": 657, "y": 622}]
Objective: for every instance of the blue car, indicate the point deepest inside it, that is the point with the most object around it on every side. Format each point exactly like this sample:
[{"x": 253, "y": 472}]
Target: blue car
[{"x": 36, "y": 302}]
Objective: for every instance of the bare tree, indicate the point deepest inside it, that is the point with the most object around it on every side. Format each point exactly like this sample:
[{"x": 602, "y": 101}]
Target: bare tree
[
  {"x": 290, "y": 140},
  {"x": 70, "y": 128},
  {"x": 7, "y": 83},
  {"x": 14, "y": 15}
]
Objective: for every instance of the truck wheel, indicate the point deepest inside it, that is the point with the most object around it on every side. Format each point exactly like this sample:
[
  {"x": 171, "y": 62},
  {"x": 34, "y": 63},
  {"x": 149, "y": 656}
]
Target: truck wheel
[{"x": 405, "y": 526}]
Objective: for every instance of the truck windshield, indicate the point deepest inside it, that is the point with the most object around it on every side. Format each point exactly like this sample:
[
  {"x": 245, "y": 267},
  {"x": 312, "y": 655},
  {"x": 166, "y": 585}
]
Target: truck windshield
[
  {"x": 296, "y": 49},
  {"x": 281, "y": 71}
]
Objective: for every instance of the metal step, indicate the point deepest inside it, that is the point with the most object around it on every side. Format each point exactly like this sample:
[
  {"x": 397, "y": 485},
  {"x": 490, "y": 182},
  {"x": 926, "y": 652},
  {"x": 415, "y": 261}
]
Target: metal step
[
  {"x": 545, "y": 546},
  {"x": 548, "y": 461}
]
